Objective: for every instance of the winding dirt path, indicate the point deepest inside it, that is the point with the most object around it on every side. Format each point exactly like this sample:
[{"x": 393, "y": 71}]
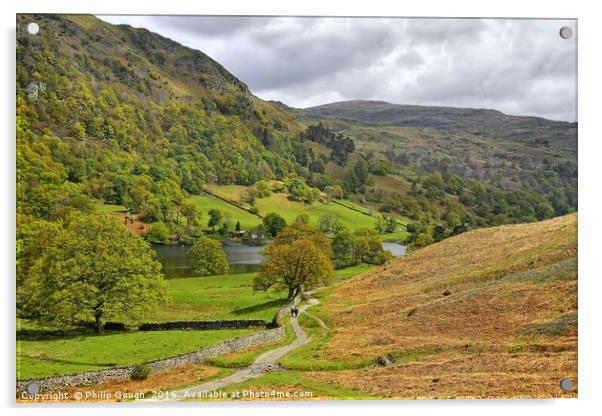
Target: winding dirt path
[{"x": 266, "y": 362}]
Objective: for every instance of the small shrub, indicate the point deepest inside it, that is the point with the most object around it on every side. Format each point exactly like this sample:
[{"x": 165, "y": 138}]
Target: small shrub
[{"x": 141, "y": 372}]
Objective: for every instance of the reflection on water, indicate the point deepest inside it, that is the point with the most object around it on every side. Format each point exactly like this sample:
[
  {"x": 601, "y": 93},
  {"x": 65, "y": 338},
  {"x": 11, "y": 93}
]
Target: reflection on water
[
  {"x": 174, "y": 258},
  {"x": 242, "y": 259}
]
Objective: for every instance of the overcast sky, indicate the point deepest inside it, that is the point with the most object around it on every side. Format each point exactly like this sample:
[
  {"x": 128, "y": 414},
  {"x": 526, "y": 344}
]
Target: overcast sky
[{"x": 520, "y": 67}]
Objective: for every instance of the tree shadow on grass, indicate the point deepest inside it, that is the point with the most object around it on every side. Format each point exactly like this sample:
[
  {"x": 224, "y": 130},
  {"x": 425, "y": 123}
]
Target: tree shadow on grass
[{"x": 259, "y": 307}]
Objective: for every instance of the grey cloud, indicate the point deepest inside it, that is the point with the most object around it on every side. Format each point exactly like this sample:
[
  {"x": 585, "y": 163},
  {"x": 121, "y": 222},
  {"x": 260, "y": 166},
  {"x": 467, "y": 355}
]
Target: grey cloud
[
  {"x": 516, "y": 66},
  {"x": 210, "y": 25}
]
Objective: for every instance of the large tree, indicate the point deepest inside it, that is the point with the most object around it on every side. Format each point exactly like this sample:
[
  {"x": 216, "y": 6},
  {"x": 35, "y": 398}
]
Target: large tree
[
  {"x": 299, "y": 259},
  {"x": 207, "y": 257},
  {"x": 93, "y": 270}
]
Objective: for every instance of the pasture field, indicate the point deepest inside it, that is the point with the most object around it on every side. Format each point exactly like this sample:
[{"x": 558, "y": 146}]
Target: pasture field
[
  {"x": 228, "y": 296},
  {"x": 289, "y": 210},
  {"x": 219, "y": 297},
  {"x": 229, "y": 212},
  {"x": 44, "y": 354}
]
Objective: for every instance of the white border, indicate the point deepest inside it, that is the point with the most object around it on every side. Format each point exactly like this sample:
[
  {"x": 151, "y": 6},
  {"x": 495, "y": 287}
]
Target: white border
[{"x": 590, "y": 139}]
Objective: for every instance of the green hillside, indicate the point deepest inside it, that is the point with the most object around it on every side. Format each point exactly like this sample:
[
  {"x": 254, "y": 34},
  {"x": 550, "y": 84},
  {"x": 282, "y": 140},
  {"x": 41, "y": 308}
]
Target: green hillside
[
  {"x": 113, "y": 115},
  {"x": 231, "y": 213},
  {"x": 351, "y": 215},
  {"x": 127, "y": 117}
]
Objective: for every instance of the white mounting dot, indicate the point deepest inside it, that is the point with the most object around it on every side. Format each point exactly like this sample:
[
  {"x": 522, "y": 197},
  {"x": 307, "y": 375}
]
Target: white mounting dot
[{"x": 33, "y": 28}]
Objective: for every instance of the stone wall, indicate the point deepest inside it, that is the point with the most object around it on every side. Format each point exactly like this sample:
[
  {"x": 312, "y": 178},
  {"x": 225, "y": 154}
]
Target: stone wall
[
  {"x": 124, "y": 373},
  {"x": 196, "y": 357},
  {"x": 204, "y": 325}
]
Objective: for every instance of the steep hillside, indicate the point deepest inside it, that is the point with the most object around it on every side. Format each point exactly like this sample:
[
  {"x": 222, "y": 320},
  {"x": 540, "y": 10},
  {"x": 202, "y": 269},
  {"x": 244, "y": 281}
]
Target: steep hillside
[
  {"x": 490, "y": 313},
  {"x": 128, "y": 117},
  {"x": 467, "y": 120}
]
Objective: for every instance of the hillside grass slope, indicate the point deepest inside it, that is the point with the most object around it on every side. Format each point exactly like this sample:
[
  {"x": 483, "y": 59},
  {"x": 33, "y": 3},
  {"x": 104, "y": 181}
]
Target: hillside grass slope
[{"x": 490, "y": 313}]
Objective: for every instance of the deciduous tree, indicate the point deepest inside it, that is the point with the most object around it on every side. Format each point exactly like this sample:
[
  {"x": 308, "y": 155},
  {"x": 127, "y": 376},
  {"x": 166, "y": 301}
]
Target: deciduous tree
[
  {"x": 273, "y": 223},
  {"x": 207, "y": 257},
  {"x": 93, "y": 269},
  {"x": 297, "y": 266}
]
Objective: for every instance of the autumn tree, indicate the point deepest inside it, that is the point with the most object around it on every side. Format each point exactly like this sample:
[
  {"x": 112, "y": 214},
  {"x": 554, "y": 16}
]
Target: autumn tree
[
  {"x": 262, "y": 188},
  {"x": 387, "y": 224},
  {"x": 93, "y": 269},
  {"x": 298, "y": 260},
  {"x": 207, "y": 257}
]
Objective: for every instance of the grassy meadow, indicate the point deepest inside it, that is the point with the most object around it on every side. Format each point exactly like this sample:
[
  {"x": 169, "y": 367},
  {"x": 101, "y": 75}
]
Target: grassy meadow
[
  {"x": 350, "y": 214},
  {"x": 219, "y": 297},
  {"x": 42, "y": 352},
  {"x": 230, "y": 212},
  {"x": 42, "y": 355},
  {"x": 228, "y": 297}
]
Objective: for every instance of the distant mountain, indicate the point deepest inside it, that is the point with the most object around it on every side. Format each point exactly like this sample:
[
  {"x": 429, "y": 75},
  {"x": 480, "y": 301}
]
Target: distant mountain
[{"x": 491, "y": 123}]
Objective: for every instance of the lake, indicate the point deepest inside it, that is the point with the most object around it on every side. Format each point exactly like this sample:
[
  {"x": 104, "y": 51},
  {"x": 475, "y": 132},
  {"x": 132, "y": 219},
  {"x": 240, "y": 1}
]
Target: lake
[{"x": 242, "y": 258}]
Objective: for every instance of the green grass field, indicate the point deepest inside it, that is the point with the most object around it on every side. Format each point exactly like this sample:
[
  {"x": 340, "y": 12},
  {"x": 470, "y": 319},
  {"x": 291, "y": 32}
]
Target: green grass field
[
  {"x": 42, "y": 354},
  {"x": 227, "y": 297},
  {"x": 396, "y": 237},
  {"x": 348, "y": 272},
  {"x": 354, "y": 218},
  {"x": 219, "y": 297},
  {"x": 349, "y": 213},
  {"x": 46, "y": 356},
  {"x": 231, "y": 192},
  {"x": 230, "y": 213},
  {"x": 289, "y": 210}
]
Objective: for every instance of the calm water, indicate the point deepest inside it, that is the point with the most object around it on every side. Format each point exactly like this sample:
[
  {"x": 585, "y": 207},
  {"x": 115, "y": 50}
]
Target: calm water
[
  {"x": 395, "y": 248},
  {"x": 242, "y": 259},
  {"x": 173, "y": 257}
]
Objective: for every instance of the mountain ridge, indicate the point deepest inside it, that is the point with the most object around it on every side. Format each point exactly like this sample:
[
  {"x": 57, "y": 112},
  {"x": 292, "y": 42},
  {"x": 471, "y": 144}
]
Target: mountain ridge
[{"x": 482, "y": 121}]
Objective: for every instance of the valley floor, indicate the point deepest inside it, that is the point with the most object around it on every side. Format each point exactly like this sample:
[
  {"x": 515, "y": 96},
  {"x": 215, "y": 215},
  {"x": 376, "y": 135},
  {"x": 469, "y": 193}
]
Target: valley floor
[{"x": 491, "y": 313}]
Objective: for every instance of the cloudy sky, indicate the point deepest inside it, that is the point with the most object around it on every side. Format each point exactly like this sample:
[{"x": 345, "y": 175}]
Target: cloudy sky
[{"x": 520, "y": 67}]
